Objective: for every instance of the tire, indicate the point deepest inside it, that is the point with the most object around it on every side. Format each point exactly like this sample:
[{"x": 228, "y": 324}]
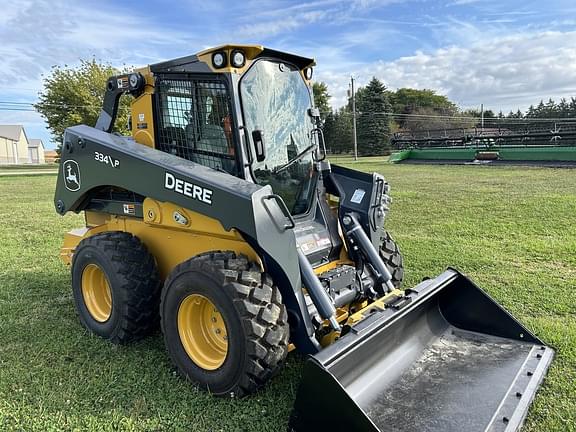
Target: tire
[
  {"x": 255, "y": 323},
  {"x": 392, "y": 257},
  {"x": 118, "y": 265}
]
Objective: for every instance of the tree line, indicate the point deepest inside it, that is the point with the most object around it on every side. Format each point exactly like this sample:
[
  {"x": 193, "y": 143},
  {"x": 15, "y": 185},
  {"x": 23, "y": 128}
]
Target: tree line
[{"x": 381, "y": 112}]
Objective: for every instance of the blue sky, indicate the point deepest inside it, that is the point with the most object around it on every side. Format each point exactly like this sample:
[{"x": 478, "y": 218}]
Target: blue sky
[{"x": 506, "y": 54}]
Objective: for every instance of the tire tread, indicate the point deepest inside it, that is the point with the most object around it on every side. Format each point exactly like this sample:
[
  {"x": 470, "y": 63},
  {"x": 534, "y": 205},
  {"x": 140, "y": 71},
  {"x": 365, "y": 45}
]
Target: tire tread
[
  {"x": 392, "y": 257},
  {"x": 136, "y": 268},
  {"x": 258, "y": 303}
]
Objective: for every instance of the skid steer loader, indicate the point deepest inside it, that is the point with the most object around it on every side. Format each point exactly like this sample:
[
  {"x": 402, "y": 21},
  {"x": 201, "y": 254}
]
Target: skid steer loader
[{"x": 221, "y": 218}]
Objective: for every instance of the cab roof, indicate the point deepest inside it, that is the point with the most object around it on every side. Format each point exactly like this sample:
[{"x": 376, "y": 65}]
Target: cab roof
[{"x": 195, "y": 62}]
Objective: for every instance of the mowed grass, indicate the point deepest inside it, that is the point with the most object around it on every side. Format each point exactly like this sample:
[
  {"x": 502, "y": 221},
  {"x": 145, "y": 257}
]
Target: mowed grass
[{"x": 512, "y": 230}]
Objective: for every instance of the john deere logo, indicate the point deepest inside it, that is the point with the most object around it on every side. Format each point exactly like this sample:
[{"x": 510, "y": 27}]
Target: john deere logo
[{"x": 71, "y": 172}]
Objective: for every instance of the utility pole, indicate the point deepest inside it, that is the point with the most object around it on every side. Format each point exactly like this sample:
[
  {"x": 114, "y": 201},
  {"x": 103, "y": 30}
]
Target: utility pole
[
  {"x": 354, "y": 118},
  {"x": 482, "y": 117}
]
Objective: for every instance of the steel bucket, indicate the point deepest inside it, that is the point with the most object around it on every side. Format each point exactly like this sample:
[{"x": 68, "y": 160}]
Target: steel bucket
[{"x": 452, "y": 359}]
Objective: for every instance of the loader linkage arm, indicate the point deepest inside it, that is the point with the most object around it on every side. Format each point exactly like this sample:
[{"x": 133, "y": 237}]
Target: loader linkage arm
[{"x": 115, "y": 87}]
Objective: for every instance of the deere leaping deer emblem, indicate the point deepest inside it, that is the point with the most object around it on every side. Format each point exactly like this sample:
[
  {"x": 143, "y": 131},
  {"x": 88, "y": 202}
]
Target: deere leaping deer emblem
[{"x": 71, "y": 172}]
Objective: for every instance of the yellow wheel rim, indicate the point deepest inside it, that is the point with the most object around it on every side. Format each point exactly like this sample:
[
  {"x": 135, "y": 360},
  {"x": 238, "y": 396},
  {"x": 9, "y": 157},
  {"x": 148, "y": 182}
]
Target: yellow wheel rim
[
  {"x": 202, "y": 332},
  {"x": 96, "y": 292}
]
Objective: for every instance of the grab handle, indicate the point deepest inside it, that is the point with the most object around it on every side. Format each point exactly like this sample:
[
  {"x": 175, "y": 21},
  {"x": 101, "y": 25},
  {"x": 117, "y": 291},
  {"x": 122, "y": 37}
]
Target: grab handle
[{"x": 283, "y": 209}]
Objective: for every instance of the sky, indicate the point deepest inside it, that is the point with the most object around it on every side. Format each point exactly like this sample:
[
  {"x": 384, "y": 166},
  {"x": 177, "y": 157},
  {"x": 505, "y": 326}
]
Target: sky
[{"x": 505, "y": 54}]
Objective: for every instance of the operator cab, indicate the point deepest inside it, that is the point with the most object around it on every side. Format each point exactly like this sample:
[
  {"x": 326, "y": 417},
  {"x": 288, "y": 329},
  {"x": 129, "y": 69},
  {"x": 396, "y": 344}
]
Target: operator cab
[
  {"x": 244, "y": 110},
  {"x": 248, "y": 111}
]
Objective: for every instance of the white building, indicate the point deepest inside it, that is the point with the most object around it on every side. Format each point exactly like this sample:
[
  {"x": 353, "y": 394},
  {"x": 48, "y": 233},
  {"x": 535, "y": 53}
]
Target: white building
[
  {"x": 36, "y": 151},
  {"x": 15, "y": 148}
]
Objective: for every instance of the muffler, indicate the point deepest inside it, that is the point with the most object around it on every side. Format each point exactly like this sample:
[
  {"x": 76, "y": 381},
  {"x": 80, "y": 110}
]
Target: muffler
[{"x": 449, "y": 359}]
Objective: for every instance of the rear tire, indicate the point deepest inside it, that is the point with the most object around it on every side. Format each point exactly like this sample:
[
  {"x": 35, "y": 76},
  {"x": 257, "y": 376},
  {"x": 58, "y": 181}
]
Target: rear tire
[
  {"x": 116, "y": 287},
  {"x": 242, "y": 306},
  {"x": 392, "y": 257}
]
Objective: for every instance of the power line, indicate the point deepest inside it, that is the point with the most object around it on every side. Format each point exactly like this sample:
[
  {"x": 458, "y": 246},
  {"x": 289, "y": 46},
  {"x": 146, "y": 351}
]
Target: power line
[
  {"x": 62, "y": 105},
  {"x": 17, "y": 109},
  {"x": 457, "y": 117},
  {"x": 15, "y": 106}
]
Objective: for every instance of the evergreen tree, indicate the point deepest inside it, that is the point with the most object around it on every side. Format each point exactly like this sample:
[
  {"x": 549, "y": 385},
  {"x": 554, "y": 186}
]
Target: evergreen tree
[
  {"x": 373, "y": 122},
  {"x": 338, "y": 131},
  {"x": 572, "y": 107},
  {"x": 551, "y": 110},
  {"x": 540, "y": 110},
  {"x": 563, "y": 109}
]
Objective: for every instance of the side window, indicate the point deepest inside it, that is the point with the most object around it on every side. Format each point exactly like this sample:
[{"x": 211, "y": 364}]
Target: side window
[{"x": 196, "y": 123}]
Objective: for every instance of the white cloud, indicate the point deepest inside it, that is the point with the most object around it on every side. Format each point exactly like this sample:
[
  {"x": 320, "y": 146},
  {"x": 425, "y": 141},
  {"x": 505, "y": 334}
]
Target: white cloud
[
  {"x": 37, "y": 34},
  {"x": 280, "y": 25},
  {"x": 464, "y": 2},
  {"x": 503, "y": 72}
]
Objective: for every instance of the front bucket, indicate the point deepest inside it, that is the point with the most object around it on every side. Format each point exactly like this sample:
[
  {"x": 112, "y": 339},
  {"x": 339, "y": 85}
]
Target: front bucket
[{"x": 451, "y": 360}]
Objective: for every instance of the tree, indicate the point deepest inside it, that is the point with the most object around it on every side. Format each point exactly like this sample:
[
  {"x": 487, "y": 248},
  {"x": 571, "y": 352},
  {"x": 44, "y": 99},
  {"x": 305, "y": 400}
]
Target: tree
[
  {"x": 408, "y": 101},
  {"x": 373, "y": 125},
  {"x": 563, "y": 108},
  {"x": 321, "y": 99},
  {"x": 74, "y": 95},
  {"x": 572, "y": 107},
  {"x": 489, "y": 114},
  {"x": 338, "y": 131}
]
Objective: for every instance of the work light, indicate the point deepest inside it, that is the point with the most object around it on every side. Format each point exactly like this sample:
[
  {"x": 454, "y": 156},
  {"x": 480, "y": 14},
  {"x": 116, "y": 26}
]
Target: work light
[
  {"x": 219, "y": 59},
  {"x": 238, "y": 58}
]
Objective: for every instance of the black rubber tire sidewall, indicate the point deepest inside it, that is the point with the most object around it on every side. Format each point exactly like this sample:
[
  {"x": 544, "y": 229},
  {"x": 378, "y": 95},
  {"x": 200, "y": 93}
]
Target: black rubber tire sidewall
[
  {"x": 222, "y": 380},
  {"x": 89, "y": 254},
  {"x": 392, "y": 258}
]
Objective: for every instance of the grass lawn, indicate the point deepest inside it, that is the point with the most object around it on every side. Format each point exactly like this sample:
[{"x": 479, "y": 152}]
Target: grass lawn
[
  {"x": 29, "y": 167},
  {"x": 513, "y": 230},
  {"x": 9, "y": 170}
]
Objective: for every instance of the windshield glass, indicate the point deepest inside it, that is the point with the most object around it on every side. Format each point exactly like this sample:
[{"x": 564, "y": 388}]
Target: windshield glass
[{"x": 275, "y": 100}]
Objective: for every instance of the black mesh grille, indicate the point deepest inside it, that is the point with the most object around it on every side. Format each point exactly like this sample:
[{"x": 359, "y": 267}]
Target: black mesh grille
[{"x": 195, "y": 122}]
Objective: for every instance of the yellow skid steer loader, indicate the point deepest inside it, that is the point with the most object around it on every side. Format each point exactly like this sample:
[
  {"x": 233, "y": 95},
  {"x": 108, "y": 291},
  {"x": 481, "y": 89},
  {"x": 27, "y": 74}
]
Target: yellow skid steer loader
[{"x": 221, "y": 219}]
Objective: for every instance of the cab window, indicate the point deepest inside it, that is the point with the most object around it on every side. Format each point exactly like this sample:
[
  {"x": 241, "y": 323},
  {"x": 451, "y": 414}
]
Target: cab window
[{"x": 195, "y": 122}]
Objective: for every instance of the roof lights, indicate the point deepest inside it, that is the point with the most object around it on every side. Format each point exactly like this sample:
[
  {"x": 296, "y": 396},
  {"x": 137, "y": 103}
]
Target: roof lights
[
  {"x": 238, "y": 58},
  {"x": 219, "y": 59}
]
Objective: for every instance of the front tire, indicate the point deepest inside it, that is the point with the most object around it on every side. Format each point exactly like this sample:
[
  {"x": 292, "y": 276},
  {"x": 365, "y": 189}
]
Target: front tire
[
  {"x": 116, "y": 287},
  {"x": 224, "y": 324},
  {"x": 392, "y": 257}
]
